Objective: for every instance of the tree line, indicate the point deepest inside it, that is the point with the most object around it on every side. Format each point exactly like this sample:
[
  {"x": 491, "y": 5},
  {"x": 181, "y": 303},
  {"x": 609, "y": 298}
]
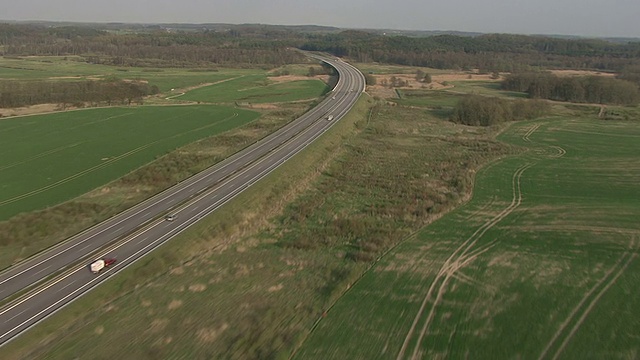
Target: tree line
[
  {"x": 477, "y": 110},
  {"x": 156, "y": 48},
  {"x": 489, "y": 53},
  {"x": 268, "y": 45},
  {"x": 582, "y": 89},
  {"x": 109, "y": 92}
]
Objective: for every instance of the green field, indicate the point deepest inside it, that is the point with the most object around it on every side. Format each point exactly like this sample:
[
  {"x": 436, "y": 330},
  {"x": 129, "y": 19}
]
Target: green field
[
  {"x": 249, "y": 281},
  {"x": 55, "y": 157},
  {"x": 257, "y": 89},
  {"x": 539, "y": 264},
  {"x": 204, "y": 294},
  {"x": 370, "y": 68},
  {"x": 480, "y": 87},
  {"x": 542, "y": 263},
  {"x": 73, "y": 68},
  {"x": 428, "y": 98},
  {"x": 52, "y": 158}
]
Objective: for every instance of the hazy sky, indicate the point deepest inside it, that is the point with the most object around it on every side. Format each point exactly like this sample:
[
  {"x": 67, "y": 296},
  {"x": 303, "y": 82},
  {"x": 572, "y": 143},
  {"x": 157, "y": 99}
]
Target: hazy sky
[{"x": 568, "y": 17}]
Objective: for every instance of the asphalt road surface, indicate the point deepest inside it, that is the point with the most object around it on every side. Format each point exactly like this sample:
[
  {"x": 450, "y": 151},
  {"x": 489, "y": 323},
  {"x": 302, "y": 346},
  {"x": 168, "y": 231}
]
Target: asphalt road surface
[{"x": 59, "y": 275}]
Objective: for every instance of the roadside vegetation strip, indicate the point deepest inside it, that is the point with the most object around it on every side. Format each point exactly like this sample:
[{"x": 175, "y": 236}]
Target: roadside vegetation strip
[{"x": 400, "y": 131}]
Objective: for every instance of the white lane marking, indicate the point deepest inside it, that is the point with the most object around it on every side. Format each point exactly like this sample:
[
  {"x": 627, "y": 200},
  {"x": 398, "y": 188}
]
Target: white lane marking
[
  {"x": 144, "y": 239},
  {"x": 66, "y": 286},
  {"x": 16, "y": 315},
  {"x": 42, "y": 270},
  {"x": 86, "y": 246}
]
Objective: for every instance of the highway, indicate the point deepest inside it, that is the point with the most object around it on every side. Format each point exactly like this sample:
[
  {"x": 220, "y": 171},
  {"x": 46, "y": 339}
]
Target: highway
[{"x": 59, "y": 275}]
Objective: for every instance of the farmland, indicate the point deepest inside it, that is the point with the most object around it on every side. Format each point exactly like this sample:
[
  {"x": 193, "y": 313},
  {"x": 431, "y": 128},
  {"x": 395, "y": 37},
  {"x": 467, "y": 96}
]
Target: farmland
[
  {"x": 250, "y": 281},
  {"x": 257, "y": 89},
  {"x": 399, "y": 234},
  {"x": 56, "y": 157},
  {"x": 58, "y": 68},
  {"x": 63, "y": 155},
  {"x": 545, "y": 249},
  {"x": 535, "y": 266}
]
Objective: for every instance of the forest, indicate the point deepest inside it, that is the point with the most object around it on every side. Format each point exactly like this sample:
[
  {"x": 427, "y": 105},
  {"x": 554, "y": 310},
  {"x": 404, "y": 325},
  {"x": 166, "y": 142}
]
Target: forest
[
  {"x": 477, "y": 110},
  {"x": 268, "y": 47},
  {"x": 110, "y": 91},
  {"x": 259, "y": 45},
  {"x": 582, "y": 89},
  {"x": 491, "y": 52}
]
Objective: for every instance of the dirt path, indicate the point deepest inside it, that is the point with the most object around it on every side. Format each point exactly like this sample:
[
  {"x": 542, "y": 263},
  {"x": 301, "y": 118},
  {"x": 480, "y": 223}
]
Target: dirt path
[
  {"x": 459, "y": 258},
  {"x": 592, "y": 305}
]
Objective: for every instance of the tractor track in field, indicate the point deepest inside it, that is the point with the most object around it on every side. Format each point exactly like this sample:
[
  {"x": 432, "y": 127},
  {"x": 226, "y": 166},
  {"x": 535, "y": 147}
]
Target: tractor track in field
[
  {"x": 41, "y": 155},
  {"x": 603, "y": 285},
  {"x": 559, "y": 151},
  {"x": 464, "y": 254},
  {"x": 530, "y": 132}
]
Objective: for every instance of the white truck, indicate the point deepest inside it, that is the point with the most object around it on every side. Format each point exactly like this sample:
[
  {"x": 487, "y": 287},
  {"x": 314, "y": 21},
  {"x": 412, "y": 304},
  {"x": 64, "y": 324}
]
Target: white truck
[{"x": 100, "y": 264}]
